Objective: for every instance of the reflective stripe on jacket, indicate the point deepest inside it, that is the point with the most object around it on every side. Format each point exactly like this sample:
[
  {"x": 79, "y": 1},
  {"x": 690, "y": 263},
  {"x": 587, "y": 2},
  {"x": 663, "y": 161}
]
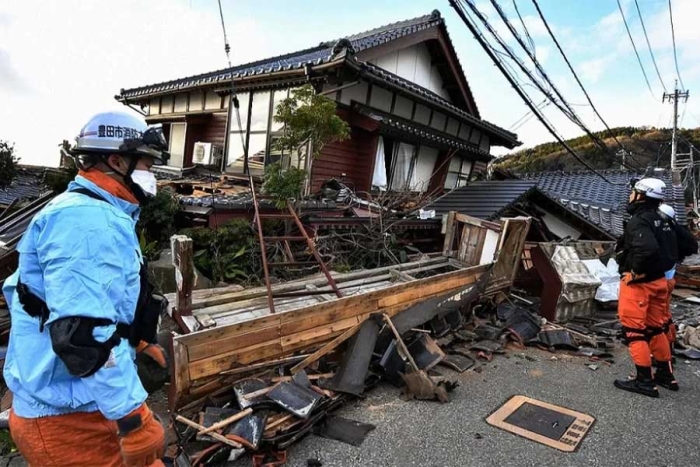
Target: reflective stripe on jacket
[{"x": 82, "y": 257}]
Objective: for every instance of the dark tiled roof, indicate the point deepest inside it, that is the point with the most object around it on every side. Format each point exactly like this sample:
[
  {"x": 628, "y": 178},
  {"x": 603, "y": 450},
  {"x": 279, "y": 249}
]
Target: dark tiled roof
[
  {"x": 604, "y": 203},
  {"x": 511, "y": 139},
  {"x": 322, "y": 53},
  {"x": 483, "y": 199},
  {"x": 26, "y": 186},
  {"x": 421, "y": 131}
]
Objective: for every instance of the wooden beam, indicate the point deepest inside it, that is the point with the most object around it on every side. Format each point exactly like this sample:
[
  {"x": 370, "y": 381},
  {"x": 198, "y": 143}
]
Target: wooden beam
[
  {"x": 258, "y": 366},
  {"x": 400, "y": 345},
  {"x": 216, "y": 436},
  {"x": 181, "y": 247},
  {"x": 285, "y": 379},
  {"x": 326, "y": 349},
  {"x": 450, "y": 227},
  {"x": 226, "y": 422}
]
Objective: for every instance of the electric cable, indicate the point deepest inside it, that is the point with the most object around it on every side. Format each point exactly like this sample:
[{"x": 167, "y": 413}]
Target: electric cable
[
  {"x": 573, "y": 72},
  {"x": 562, "y": 105},
  {"x": 673, "y": 36},
  {"x": 635, "y": 49},
  {"x": 651, "y": 52},
  {"x": 462, "y": 13}
]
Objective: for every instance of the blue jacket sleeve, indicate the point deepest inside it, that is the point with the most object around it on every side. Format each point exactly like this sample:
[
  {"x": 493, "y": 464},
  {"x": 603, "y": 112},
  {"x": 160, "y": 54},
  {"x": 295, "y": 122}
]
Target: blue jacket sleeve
[{"x": 83, "y": 258}]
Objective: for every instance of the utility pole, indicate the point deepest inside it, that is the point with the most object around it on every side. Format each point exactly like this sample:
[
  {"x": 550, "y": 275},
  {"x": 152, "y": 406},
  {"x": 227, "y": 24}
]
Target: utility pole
[
  {"x": 675, "y": 169},
  {"x": 622, "y": 154}
]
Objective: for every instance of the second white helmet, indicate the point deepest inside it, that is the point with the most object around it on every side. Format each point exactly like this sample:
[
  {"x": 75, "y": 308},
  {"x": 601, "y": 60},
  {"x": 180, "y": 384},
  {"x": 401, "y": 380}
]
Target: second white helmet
[{"x": 668, "y": 210}]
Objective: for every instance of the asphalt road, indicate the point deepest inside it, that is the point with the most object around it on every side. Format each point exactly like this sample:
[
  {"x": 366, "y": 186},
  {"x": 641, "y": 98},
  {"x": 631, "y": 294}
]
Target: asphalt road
[{"x": 630, "y": 430}]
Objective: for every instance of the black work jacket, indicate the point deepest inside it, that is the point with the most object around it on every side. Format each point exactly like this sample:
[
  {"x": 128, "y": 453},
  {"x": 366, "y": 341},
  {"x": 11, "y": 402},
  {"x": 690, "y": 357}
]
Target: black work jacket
[
  {"x": 648, "y": 245},
  {"x": 687, "y": 243}
]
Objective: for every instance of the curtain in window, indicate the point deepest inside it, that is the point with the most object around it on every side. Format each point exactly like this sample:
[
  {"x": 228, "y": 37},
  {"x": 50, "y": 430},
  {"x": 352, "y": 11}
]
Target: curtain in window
[
  {"x": 425, "y": 163},
  {"x": 379, "y": 176},
  {"x": 402, "y": 166}
]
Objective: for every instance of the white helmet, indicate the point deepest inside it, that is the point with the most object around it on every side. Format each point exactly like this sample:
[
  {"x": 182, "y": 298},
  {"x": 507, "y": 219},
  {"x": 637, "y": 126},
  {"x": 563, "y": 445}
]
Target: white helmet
[
  {"x": 651, "y": 188},
  {"x": 668, "y": 210},
  {"x": 121, "y": 133}
]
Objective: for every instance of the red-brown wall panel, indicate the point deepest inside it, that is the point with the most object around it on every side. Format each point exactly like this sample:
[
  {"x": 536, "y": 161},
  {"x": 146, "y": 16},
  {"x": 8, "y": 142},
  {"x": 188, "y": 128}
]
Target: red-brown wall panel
[{"x": 353, "y": 157}]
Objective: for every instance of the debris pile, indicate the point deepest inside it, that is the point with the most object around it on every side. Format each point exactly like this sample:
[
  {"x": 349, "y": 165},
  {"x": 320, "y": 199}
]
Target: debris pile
[{"x": 269, "y": 406}]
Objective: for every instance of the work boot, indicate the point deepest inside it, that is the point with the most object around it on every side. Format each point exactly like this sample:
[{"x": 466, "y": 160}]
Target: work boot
[
  {"x": 664, "y": 376},
  {"x": 642, "y": 384}
]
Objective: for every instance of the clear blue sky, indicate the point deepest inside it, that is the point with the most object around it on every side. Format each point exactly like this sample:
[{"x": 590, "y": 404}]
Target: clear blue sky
[{"x": 71, "y": 60}]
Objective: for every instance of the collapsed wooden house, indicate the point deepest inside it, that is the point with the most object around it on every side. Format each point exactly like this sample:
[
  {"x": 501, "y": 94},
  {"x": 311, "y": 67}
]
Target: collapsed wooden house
[{"x": 238, "y": 333}]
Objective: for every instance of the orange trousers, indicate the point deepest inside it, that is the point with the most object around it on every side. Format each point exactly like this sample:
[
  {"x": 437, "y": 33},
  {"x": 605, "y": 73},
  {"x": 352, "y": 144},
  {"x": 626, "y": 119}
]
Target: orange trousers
[
  {"x": 642, "y": 306},
  {"x": 71, "y": 440},
  {"x": 671, "y": 333}
]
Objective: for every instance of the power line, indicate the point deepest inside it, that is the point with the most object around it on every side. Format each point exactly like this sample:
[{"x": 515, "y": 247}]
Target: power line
[
  {"x": 522, "y": 22},
  {"x": 234, "y": 97},
  {"x": 651, "y": 52},
  {"x": 529, "y": 117},
  {"x": 461, "y": 12},
  {"x": 571, "y": 68},
  {"x": 673, "y": 36},
  {"x": 515, "y": 123},
  {"x": 564, "y": 107},
  {"x": 635, "y": 49}
]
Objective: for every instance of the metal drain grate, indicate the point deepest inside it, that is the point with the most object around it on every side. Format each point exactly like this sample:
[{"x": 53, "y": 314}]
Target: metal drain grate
[{"x": 544, "y": 423}]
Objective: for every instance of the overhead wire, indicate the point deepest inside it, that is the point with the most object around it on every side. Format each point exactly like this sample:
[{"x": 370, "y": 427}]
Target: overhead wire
[
  {"x": 673, "y": 37},
  {"x": 639, "y": 60},
  {"x": 651, "y": 51},
  {"x": 522, "y": 22},
  {"x": 573, "y": 72},
  {"x": 234, "y": 97},
  {"x": 233, "y": 102},
  {"x": 529, "y": 118},
  {"x": 527, "y": 114},
  {"x": 489, "y": 49},
  {"x": 562, "y": 104}
]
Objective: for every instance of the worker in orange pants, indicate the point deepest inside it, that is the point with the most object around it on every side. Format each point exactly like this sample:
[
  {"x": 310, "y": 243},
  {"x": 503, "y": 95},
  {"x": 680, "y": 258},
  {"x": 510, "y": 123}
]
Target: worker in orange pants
[
  {"x": 42, "y": 441},
  {"x": 642, "y": 311},
  {"x": 646, "y": 251}
]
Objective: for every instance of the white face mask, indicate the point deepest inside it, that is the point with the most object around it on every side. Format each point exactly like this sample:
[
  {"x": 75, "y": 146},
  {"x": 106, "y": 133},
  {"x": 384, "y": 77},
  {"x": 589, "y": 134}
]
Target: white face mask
[{"x": 146, "y": 180}]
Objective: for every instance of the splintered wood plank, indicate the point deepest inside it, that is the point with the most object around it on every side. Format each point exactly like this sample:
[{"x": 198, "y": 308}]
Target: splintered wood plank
[
  {"x": 225, "y": 361},
  {"x": 240, "y": 341},
  {"x": 420, "y": 292},
  {"x": 218, "y": 333},
  {"x": 395, "y": 298},
  {"x": 179, "y": 376},
  {"x": 325, "y": 350},
  {"x": 316, "y": 335},
  {"x": 208, "y": 336},
  {"x": 450, "y": 227},
  {"x": 327, "y": 317}
]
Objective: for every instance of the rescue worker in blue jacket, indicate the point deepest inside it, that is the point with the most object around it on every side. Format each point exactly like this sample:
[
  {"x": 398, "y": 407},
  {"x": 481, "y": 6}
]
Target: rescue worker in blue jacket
[{"x": 81, "y": 307}]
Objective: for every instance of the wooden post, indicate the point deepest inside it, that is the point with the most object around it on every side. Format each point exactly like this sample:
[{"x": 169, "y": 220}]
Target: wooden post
[
  {"x": 450, "y": 227},
  {"x": 181, "y": 247}
]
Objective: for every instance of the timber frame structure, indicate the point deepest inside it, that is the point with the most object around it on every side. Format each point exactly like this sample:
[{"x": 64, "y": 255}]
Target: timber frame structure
[
  {"x": 244, "y": 336},
  {"x": 414, "y": 122}
]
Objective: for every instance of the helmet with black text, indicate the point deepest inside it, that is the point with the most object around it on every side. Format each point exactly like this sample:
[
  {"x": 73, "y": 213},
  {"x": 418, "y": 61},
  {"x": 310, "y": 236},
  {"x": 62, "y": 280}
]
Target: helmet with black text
[
  {"x": 119, "y": 133},
  {"x": 650, "y": 187}
]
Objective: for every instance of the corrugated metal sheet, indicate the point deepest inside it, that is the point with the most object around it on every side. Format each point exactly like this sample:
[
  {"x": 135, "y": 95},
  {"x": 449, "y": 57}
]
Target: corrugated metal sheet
[
  {"x": 579, "y": 286},
  {"x": 483, "y": 199}
]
